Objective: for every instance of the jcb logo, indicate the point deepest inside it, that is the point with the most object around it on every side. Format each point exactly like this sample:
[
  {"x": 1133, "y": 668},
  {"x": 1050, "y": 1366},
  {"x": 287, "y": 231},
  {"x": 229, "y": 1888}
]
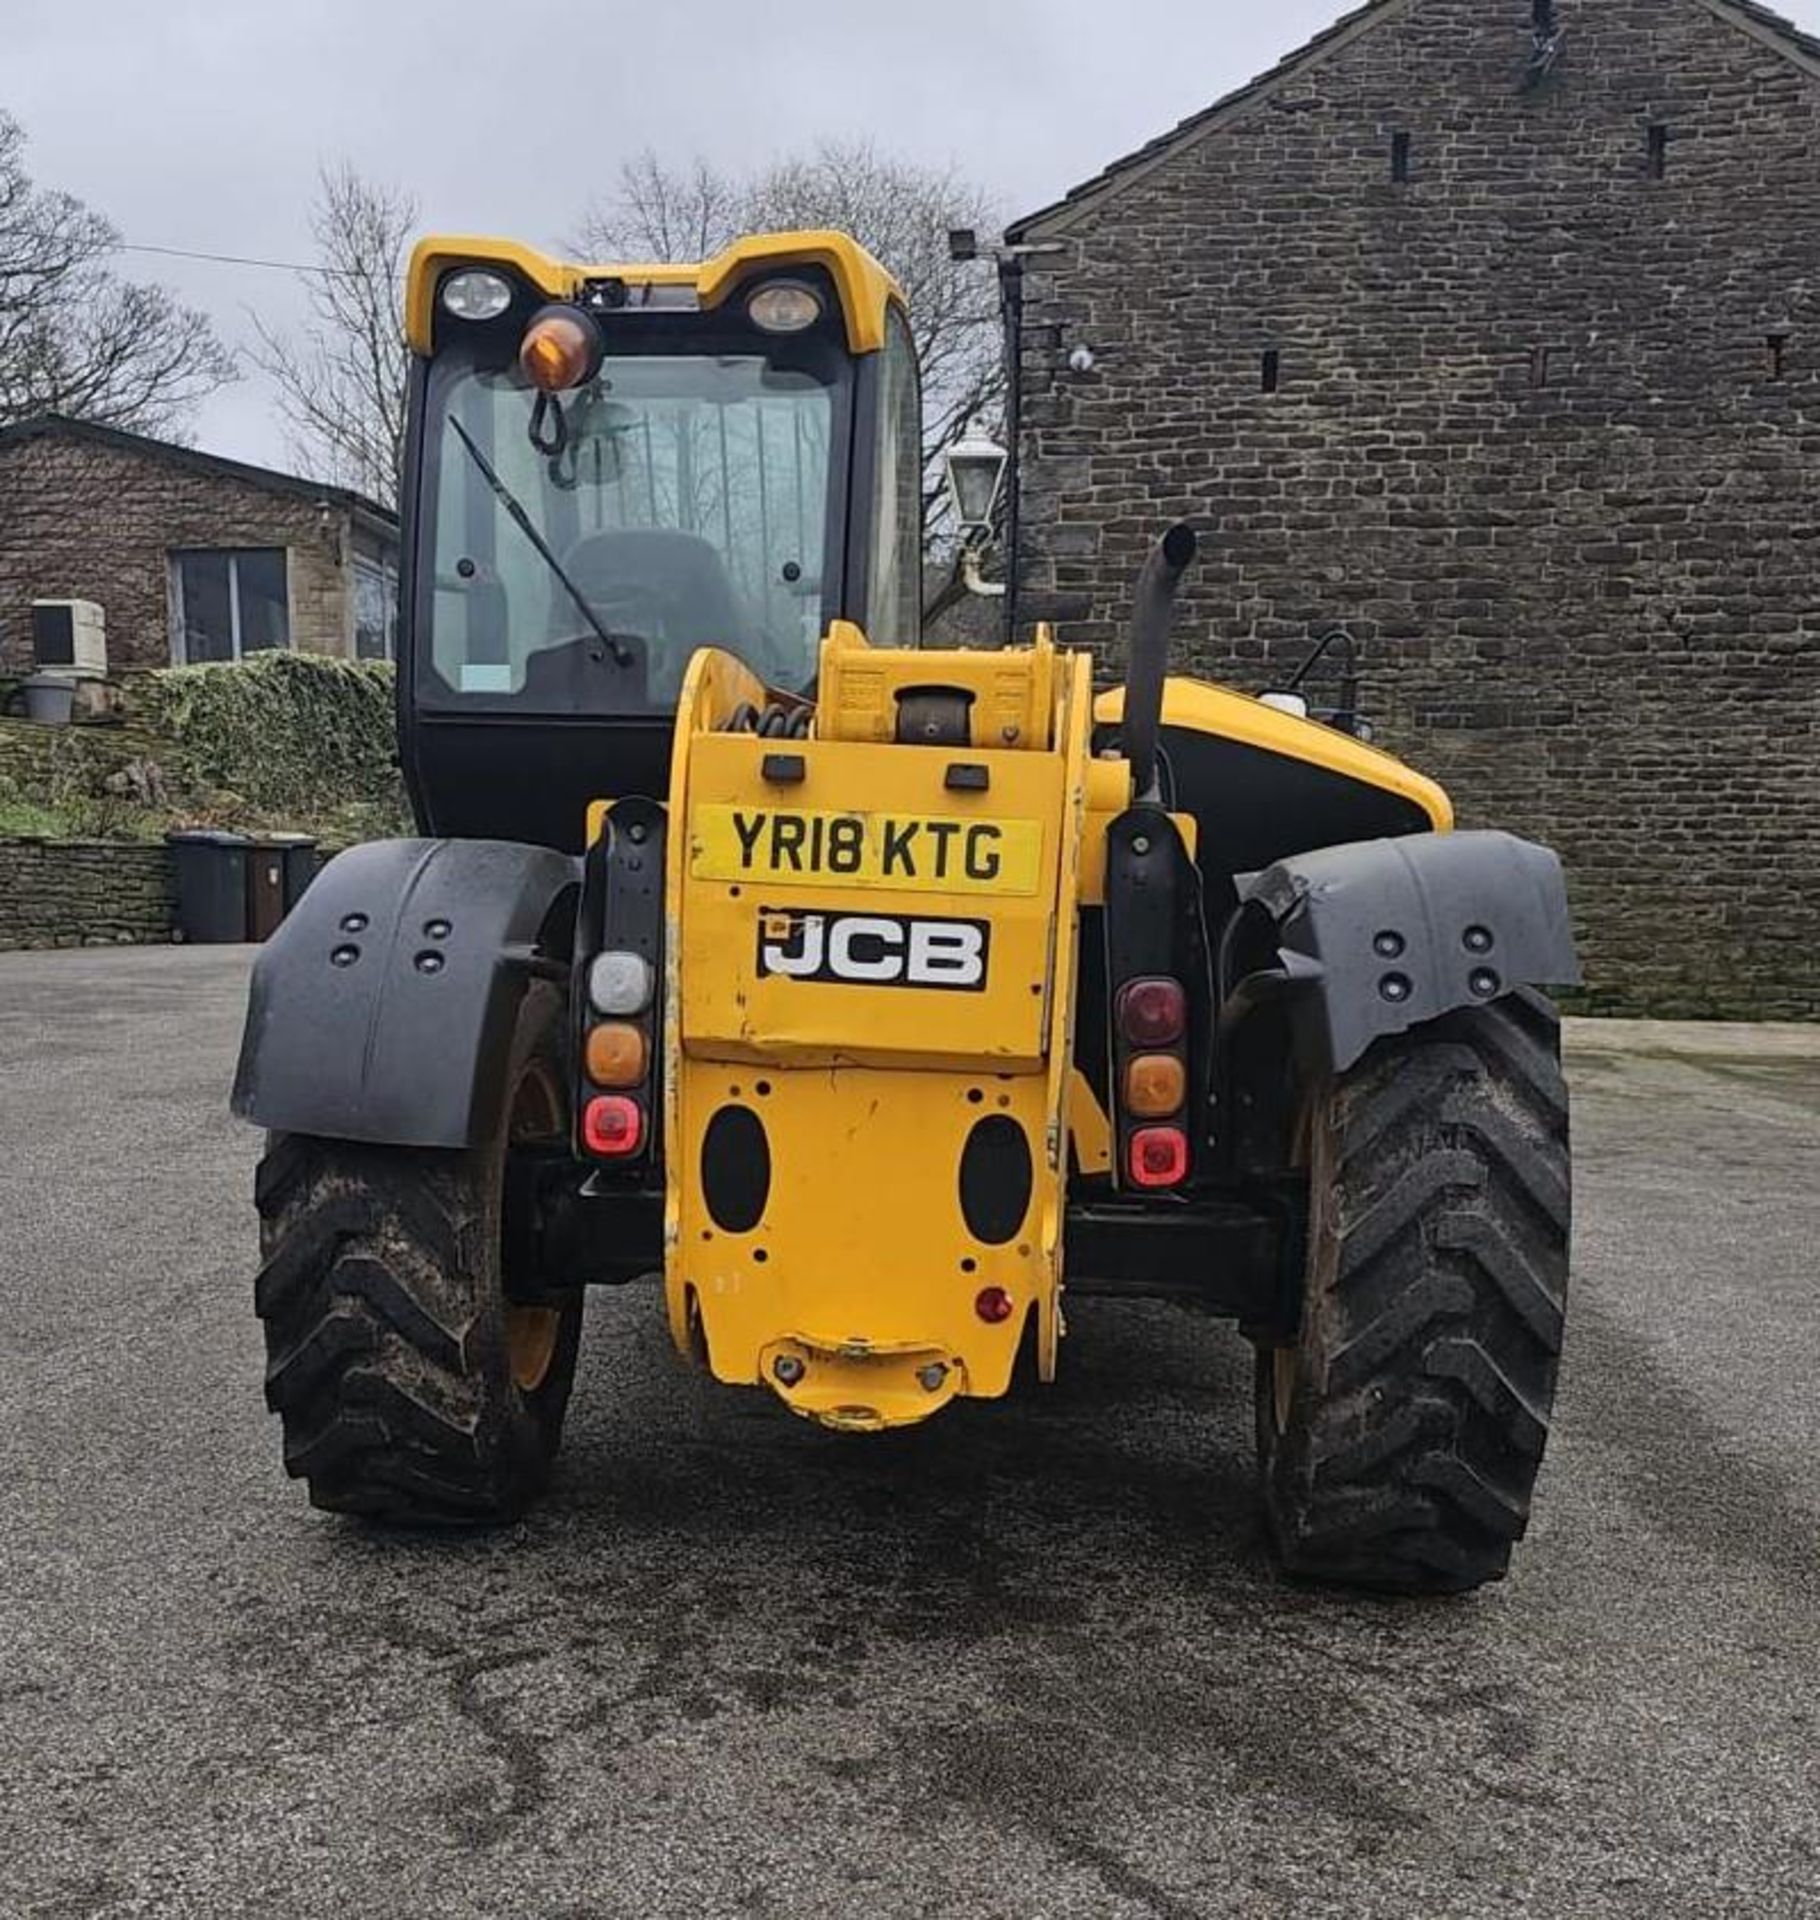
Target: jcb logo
[{"x": 873, "y": 949}]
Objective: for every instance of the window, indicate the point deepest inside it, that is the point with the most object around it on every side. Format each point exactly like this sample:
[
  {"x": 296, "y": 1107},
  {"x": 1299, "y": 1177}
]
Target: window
[
  {"x": 690, "y": 504},
  {"x": 894, "y": 598},
  {"x": 228, "y": 602},
  {"x": 375, "y": 607},
  {"x": 1399, "y": 158}
]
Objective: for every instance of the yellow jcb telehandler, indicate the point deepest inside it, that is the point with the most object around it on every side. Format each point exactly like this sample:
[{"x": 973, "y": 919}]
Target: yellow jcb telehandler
[{"x": 881, "y": 999}]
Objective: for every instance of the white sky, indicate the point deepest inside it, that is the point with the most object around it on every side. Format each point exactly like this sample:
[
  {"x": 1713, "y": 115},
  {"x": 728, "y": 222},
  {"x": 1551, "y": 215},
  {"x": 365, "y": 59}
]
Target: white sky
[{"x": 201, "y": 123}]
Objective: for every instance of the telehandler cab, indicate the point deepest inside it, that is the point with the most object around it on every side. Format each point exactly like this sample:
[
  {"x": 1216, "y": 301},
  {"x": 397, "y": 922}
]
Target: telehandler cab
[{"x": 872, "y": 995}]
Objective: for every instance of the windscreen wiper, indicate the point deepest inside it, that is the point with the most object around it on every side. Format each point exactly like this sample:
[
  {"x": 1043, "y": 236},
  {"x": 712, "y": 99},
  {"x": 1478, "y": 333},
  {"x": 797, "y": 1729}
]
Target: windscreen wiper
[{"x": 622, "y": 654}]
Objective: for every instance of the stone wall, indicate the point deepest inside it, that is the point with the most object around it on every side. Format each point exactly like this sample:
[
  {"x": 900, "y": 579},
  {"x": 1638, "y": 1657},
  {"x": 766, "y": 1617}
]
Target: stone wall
[
  {"x": 1545, "y": 431},
  {"x": 84, "y": 893},
  {"x": 85, "y": 520}
]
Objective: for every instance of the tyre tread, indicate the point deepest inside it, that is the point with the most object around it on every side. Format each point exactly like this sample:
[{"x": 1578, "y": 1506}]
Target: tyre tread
[
  {"x": 371, "y": 1360},
  {"x": 1433, "y": 1325}
]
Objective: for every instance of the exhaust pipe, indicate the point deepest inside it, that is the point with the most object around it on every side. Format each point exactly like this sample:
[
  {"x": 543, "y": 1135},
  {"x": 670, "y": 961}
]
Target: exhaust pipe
[{"x": 1168, "y": 560}]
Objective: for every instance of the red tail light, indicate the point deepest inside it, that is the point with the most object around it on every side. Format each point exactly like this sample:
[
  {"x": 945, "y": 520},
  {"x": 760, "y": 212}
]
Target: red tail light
[
  {"x": 1152, "y": 1013},
  {"x": 1159, "y": 1156},
  {"x": 612, "y": 1125}
]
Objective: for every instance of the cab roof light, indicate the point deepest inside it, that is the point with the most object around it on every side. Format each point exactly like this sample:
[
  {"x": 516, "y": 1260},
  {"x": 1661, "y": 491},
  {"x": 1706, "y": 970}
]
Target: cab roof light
[
  {"x": 476, "y": 293},
  {"x": 612, "y": 1126},
  {"x": 561, "y": 349},
  {"x": 784, "y": 306},
  {"x": 1158, "y": 1157},
  {"x": 1152, "y": 1012}
]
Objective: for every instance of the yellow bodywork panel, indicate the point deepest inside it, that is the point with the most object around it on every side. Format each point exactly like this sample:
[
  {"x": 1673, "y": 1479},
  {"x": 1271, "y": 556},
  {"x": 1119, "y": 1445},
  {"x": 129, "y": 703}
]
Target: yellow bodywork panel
[
  {"x": 862, "y": 286},
  {"x": 1238, "y": 716},
  {"x": 1089, "y": 1125},
  {"x": 787, "y": 957},
  {"x": 872, "y": 982},
  {"x": 1013, "y": 690}
]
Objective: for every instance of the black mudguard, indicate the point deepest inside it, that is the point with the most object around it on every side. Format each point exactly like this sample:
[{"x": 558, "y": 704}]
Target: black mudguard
[
  {"x": 383, "y": 1008},
  {"x": 1374, "y": 938}
]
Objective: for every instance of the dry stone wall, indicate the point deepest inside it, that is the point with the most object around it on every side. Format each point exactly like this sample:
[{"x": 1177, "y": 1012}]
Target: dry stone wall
[{"x": 84, "y": 894}]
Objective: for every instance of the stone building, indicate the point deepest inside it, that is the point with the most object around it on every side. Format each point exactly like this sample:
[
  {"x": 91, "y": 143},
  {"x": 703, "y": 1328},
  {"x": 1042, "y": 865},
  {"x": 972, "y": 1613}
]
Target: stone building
[
  {"x": 1496, "y": 339},
  {"x": 190, "y": 556}
]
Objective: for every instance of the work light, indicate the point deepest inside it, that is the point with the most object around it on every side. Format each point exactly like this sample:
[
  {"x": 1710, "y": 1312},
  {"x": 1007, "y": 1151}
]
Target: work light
[
  {"x": 784, "y": 306},
  {"x": 476, "y": 294}
]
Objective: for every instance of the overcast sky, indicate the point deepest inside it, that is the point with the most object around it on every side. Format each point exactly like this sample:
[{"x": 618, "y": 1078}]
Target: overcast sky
[{"x": 201, "y": 123}]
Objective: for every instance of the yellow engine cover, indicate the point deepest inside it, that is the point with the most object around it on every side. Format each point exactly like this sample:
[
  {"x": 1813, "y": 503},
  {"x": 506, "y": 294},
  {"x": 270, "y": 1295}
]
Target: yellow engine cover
[{"x": 870, "y": 963}]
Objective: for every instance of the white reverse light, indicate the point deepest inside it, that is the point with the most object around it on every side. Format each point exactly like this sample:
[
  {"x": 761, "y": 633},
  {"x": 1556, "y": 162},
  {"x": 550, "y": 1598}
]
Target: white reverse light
[{"x": 620, "y": 984}]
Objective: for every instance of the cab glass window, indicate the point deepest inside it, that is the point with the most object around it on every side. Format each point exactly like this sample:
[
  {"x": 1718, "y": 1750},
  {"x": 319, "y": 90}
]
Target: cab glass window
[
  {"x": 894, "y": 596},
  {"x": 688, "y": 497}
]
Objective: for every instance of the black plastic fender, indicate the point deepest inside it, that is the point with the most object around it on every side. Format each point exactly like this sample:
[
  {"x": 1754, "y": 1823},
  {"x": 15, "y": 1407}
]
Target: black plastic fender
[
  {"x": 382, "y": 1009},
  {"x": 1373, "y": 938}
]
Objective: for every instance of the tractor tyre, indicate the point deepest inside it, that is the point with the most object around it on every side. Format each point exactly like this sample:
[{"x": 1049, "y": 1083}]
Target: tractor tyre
[
  {"x": 1399, "y": 1437},
  {"x": 413, "y": 1388}
]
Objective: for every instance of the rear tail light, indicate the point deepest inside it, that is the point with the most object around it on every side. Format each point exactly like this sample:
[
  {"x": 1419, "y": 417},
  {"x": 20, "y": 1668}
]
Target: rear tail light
[
  {"x": 612, "y": 1125},
  {"x": 1156, "y": 1084},
  {"x": 1159, "y": 1157},
  {"x": 993, "y": 1305},
  {"x": 618, "y": 1055},
  {"x": 621, "y": 984},
  {"x": 1152, "y": 1013}
]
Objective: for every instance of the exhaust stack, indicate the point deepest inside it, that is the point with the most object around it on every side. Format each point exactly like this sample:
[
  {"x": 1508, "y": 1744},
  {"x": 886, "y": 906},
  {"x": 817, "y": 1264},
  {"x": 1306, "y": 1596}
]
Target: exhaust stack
[{"x": 1153, "y": 606}]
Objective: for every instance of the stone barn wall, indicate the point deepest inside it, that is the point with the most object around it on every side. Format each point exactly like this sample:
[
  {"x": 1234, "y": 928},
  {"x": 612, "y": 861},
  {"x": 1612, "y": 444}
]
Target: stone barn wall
[{"x": 1544, "y": 430}]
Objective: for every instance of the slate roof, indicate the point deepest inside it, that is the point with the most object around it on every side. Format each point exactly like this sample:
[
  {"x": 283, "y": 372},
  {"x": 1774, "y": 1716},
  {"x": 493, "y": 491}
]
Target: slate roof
[
  {"x": 45, "y": 426},
  {"x": 1747, "y": 14}
]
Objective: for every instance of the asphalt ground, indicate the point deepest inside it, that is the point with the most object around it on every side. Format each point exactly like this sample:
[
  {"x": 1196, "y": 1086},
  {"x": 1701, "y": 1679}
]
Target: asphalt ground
[{"x": 1030, "y": 1660}]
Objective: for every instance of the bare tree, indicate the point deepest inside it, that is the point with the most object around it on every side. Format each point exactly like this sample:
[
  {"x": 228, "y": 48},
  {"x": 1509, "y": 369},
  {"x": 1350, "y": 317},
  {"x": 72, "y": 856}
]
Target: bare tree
[
  {"x": 341, "y": 378},
  {"x": 900, "y": 211},
  {"x": 75, "y": 338},
  {"x": 656, "y": 213}
]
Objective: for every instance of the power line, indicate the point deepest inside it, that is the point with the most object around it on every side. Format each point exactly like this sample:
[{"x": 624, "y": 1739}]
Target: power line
[{"x": 239, "y": 260}]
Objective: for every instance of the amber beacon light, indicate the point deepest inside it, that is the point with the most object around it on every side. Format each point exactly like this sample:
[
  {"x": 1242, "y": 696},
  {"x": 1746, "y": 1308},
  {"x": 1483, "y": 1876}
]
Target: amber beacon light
[{"x": 561, "y": 349}]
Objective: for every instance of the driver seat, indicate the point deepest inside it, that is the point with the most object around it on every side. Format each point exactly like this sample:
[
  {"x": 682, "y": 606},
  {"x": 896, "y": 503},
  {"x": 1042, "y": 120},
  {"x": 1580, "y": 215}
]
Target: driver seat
[{"x": 680, "y": 572}]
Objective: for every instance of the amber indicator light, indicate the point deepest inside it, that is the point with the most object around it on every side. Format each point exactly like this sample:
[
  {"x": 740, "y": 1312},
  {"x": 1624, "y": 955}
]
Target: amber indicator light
[
  {"x": 1156, "y": 1084},
  {"x": 617, "y": 1055}
]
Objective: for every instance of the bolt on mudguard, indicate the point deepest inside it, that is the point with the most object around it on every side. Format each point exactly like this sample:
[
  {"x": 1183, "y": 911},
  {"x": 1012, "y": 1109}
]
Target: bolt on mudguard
[{"x": 1374, "y": 938}]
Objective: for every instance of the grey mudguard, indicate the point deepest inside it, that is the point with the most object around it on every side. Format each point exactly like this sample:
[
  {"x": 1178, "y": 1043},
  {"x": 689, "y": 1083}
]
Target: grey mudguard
[
  {"x": 383, "y": 1008},
  {"x": 1376, "y": 937}
]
